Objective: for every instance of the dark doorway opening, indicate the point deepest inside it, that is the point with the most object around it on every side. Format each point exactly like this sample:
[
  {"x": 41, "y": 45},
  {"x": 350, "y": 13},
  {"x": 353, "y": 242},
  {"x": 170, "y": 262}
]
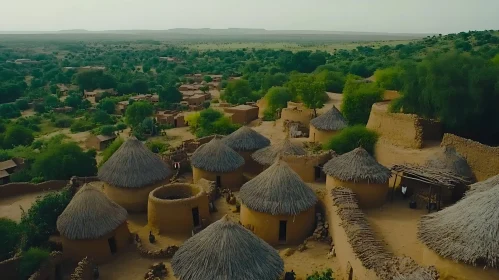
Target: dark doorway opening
[
  {"x": 195, "y": 216},
  {"x": 58, "y": 272},
  {"x": 350, "y": 274},
  {"x": 317, "y": 170},
  {"x": 112, "y": 245},
  {"x": 282, "y": 230},
  {"x": 175, "y": 123},
  {"x": 219, "y": 182}
]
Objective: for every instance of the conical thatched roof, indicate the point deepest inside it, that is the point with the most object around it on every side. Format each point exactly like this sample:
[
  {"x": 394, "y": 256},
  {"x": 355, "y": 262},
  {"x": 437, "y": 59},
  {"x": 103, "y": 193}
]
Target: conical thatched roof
[
  {"x": 357, "y": 165},
  {"x": 133, "y": 165},
  {"x": 215, "y": 156},
  {"x": 278, "y": 191},
  {"x": 268, "y": 155},
  {"x": 483, "y": 185},
  {"x": 90, "y": 215},
  {"x": 246, "y": 139},
  {"x": 467, "y": 231},
  {"x": 226, "y": 250},
  {"x": 449, "y": 159},
  {"x": 331, "y": 120}
]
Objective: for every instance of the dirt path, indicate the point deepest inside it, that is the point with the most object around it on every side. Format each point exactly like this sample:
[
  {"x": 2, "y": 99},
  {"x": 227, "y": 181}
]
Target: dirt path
[{"x": 10, "y": 207}]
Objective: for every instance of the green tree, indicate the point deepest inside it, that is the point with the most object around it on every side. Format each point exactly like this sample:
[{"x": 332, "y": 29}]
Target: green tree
[
  {"x": 107, "y": 105},
  {"x": 73, "y": 100},
  {"x": 17, "y": 135},
  {"x": 107, "y": 130},
  {"x": 277, "y": 99},
  {"x": 22, "y": 104},
  {"x": 389, "y": 78},
  {"x": 9, "y": 111},
  {"x": 333, "y": 81},
  {"x": 137, "y": 112},
  {"x": 207, "y": 78},
  {"x": 11, "y": 233},
  {"x": 170, "y": 95},
  {"x": 140, "y": 86},
  {"x": 157, "y": 147},
  {"x": 110, "y": 150},
  {"x": 313, "y": 96},
  {"x": 238, "y": 92},
  {"x": 353, "y": 137},
  {"x": 358, "y": 98},
  {"x": 51, "y": 101}
]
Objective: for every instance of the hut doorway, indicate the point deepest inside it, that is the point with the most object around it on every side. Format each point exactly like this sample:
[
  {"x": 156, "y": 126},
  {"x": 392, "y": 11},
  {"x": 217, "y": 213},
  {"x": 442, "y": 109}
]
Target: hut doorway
[
  {"x": 195, "y": 216},
  {"x": 112, "y": 245},
  {"x": 219, "y": 181},
  {"x": 282, "y": 231},
  {"x": 175, "y": 123},
  {"x": 58, "y": 272}
]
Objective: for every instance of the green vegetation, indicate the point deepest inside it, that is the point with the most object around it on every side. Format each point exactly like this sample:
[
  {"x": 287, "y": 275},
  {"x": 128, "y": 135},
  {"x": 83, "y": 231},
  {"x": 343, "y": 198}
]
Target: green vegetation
[
  {"x": 137, "y": 113},
  {"x": 109, "y": 151},
  {"x": 11, "y": 233},
  {"x": 157, "y": 147},
  {"x": 31, "y": 261},
  {"x": 358, "y": 98},
  {"x": 352, "y": 137},
  {"x": 210, "y": 121},
  {"x": 325, "y": 275},
  {"x": 277, "y": 99},
  {"x": 239, "y": 92}
]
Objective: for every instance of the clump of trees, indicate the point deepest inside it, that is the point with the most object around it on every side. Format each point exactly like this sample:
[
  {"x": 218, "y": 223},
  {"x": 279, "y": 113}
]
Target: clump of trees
[
  {"x": 11, "y": 233},
  {"x": 209, "y": 122},
  {"x": 239, "y": 92},
  {"x": 325, "y": 275},
  {"x": 358, "y": 98},
  {"x": 353, "y": 137}
]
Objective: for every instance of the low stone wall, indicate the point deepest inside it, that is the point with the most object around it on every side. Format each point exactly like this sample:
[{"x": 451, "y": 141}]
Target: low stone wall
[
  {"x": 483, "y": 159},
  {"x": 20, "y": 188},
  {"x": 167, "y": 252},
  {"x": 84, "y": 270}
]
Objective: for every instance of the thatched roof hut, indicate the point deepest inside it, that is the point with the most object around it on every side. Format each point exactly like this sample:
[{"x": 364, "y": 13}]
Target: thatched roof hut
[
  {"x": 90, "y": 215},
  {"x": 226, "y": 250},
  {"x": 279, "y": 191},
  {"x": 357, "y": 166},
  {"x": 483, "y": 185},
  {"x": 467, "y": 231},
  {"x": 331, "y": 120},
  {"x": 215, "y": 156},
  {"x": 246, "y": 139},
  {"x": 133, "y": 165},
  {"x": 268, "y": 155},
  {"x": 449, "y": 159}
]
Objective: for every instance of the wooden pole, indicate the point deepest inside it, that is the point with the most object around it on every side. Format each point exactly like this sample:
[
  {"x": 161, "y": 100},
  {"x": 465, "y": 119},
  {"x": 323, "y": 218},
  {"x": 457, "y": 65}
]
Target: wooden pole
[
  {"x": 393, "y": 188},
  {"x": 429, "y": 199}
]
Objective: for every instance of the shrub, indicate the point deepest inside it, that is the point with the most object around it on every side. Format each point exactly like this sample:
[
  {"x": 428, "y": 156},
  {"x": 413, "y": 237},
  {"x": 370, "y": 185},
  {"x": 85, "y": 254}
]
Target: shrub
[
  {"x": 351, "y": 138},
  {"x": 325, "y": 275},
  {"x": 23, "y": 175},
  {"x": 206, "y": 104},
  {"x": 121, "y": 126},
  {"x": 40, "y": 108},
  {"x": 109, "y": 151},
  {"x": 268, "y": 115},
  {"x": 157, "y": 147},
  {"x": 107, "y": 130},
  {"x": 17, "y": 135},
  {"x": 22, "y": 104},
  {"x": 10, "y": 233},
  {"x": 9, "y": 111},
  {"x": 63, "y": 122},
  {"x": 31, "y": 261},
  {"x": 358, "y": 98},
  {"x": 81, "y": 125}
]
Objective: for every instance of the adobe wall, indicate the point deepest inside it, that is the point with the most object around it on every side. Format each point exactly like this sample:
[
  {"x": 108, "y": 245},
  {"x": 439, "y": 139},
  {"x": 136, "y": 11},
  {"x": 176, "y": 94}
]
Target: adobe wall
[
  {"x": 98, "y": 250},
  {"x": 132, "y": 199},
  {"x": 262, "y": 104},
  {"x": 20, "y": 188},
  {"x": 368, "y": 195},
  {"x": 321, "y": 136},
  {"x": 266, "y": 226},
  {"x": 305, "y": 165},
  {"x": 483, "y": 159},
  {"x": 297, "y": 115},
  {"x": 175, "y": 215},
  {"x": 229, "y": 180}
]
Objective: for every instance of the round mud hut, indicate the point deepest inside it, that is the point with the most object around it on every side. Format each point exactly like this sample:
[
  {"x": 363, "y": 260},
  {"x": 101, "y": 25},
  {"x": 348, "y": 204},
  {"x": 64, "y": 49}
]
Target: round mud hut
[
  {"x": 449, "y": 159},
  {"x": 131, "y": 173},
  {"x": 468, "y": 231},
  {"x": 246, "y": 141},
  {"x": 215, "y": 161},
  {"x": 268, "y": 155},
  {"x": 360, "y": 172},
  {"x": 92, "y": 225},
  {"x": 278, "y": 206},
  {"x": 327, "y": 125},
  {"x": 178, "y": 208},
  {"x": 226, "y": 250}
]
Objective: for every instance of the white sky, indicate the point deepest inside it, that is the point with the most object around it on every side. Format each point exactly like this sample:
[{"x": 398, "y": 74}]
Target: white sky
[{"x": 423, "y": 16}]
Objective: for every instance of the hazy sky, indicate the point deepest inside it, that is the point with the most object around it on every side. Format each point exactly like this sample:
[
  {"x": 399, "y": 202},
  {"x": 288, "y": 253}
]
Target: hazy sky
[{"x": 424, "y": 16}]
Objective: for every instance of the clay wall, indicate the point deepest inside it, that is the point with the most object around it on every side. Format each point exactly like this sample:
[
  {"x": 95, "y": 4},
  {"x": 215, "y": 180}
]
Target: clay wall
[
  {"x": 14, "y": 189},
  {"x": 266, "y": 226},
  {"x": 483, "y": 159},
  {"x": 368, "y": 195},
  {"x": 229, "y": 180},
  {"x": 321, "y": 136},
  {"x": 250, "y": 165},
  {"x": 98, "y": 250},
  {"x": 262, "y": 104},
  {"x": 174, "y": 215},
  {"x": 297, "y": 115},
  {"x": 305, "y": 165},
  {"x": 132, "y": 199}
]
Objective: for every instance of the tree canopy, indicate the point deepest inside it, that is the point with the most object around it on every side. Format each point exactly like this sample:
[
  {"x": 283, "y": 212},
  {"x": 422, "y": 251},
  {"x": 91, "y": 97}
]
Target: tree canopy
[{"x": 137, "y": 112}]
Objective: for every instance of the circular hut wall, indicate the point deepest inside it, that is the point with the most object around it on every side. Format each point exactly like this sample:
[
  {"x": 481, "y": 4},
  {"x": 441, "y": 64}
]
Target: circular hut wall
[
  {"x": 177, "y": 208},
  {"x": 368, "y": 195},
  {"x": 305, "y": 166},
  {"x": 266, "y": 226},
  {"x": 132, "y": 199},
  {"x": 321, "y": 136},
  {"x": 229, "y": 180},
  {"x": 250, "y": 165},
  {"x": 97, "y": 249}
]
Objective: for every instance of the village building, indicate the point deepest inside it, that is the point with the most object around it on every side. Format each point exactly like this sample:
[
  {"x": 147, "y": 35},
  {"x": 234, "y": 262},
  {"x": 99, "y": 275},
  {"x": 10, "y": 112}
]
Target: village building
[
  {"x": 178, "y": 208},
  {"x": 464, "y": 235},
  {"x": 131, "y": 173},
  {"x": 242, "y": 114},
  {"x": 121, "y": 106},
  {"x": 215, "y": 161},
  {"x": 360, "y": 172},
  {"x": 195, "y": 99},
  {"x": 8, "y": 167},
  {"x": 326, "y": 126},
  {"x": 93, "y": 226},
  {"x": 99, "y": 142},
  {"x": 246, "y": 141},
  {"x": 171, "y": 118},
  {"x": 297, "y": 112},
  {"x": 226, "y": 250},
  {"x": 278, "y": 206}
]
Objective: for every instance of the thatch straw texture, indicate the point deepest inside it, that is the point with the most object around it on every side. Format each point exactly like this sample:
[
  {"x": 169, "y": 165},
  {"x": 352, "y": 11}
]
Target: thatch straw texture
[
  {"x": 332, "y": 120},
  {"x": 133, "y": 165},
  {"x": 246, "y": 139},
  {"x": 357, "y": 166},
  {"x": 90, "y": 215},
  {"x": 215, "y": 156},
  {"x": 270, "y": 154},
  {"x": 278, "y": 191},
  {"x": 449, "y": 159},
  {"x": 467, "y": 231},
  {"x": 429, "y": 175},
  {"x": 483, "y": 185},
  {"x": 226, "y": 250}
]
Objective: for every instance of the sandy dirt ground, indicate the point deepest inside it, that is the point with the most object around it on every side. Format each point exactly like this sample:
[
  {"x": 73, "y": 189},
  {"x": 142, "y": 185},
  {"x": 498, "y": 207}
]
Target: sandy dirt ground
[{"x": 10, "y": 207}]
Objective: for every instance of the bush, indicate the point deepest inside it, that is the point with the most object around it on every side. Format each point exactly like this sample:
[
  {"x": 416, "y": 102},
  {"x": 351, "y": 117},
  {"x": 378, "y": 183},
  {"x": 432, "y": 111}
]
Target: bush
[
  {"x": 157, "y": 147},
  {"x": 109, "y": 151},
  {"x": 352, "y": 137},
  {"x": 358, "y": 99},
  {"x": 206, "y": 104},
  {"x": 325, "y": 275},
  {"x": 22, "y": 104},
  {"x": 268, "y": 115},
  {"x": 81, "y": 125},
  {"x": 63, "y": 122},
  {"x": 10, "y": 233},
  {"x": 17, "y": 135},
  {"x": 107, "y": 130},
  {"x": 23, "y": 175},
  {"x": 121, "y": 126},
  {"x": 9, "y": 111},
  {"x": 31, "y": 260}
]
